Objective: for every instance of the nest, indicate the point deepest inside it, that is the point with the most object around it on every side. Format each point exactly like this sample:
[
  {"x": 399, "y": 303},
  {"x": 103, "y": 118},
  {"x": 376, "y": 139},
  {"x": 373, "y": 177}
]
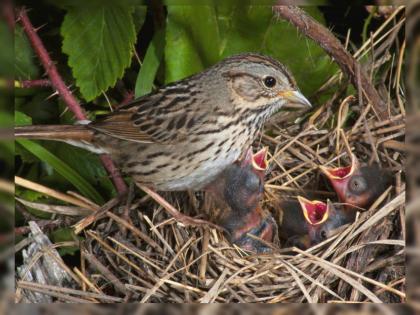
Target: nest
[{"x": 150, "y": 257}]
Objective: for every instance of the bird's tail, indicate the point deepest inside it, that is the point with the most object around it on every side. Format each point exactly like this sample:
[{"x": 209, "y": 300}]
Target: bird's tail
[
  {"x": 77, "y": 135},
  {"x": 55, "y": 132}
]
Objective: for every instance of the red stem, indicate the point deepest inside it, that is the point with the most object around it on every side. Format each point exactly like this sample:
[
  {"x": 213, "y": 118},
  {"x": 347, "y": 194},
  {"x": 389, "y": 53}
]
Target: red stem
[
  {"x": 58, "y": 83},
  {"x": 35, "y": 83},
  {"x": 322, "y": 35},
  {"x": 8, "y": 14},
  {"x": 128, "y": 97},
  {"x": 114, "y": 173},
  {"x": 50, "y": 67}
]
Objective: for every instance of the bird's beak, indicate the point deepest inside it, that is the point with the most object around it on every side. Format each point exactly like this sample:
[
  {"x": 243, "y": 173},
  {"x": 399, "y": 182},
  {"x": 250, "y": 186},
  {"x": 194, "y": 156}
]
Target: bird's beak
[
  {"x": 340, "y": 176},
  {"x": 295, "y": 99},
  {"x": 259, "y": 160},
  {"x": 315, "y": 211}
]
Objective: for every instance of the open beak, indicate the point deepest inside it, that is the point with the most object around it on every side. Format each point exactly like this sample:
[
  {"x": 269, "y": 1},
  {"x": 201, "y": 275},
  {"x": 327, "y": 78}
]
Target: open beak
[
  {"x": 340, "y": 176},
  {"x": 315, "y": 212},
  {"x": 295, "y": 99},
  {"x": 260, "y": 163},
  {"x": 259, "y": 159}
]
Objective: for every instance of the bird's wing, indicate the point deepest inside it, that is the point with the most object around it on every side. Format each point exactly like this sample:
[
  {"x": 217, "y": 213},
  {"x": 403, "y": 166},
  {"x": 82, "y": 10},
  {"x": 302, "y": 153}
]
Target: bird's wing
[{"x": 166, "y": 117}]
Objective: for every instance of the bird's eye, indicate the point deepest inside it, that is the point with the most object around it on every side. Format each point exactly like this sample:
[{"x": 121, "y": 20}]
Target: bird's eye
[
  {"x": 358, "y": 184},
  {"x": 269, "y": 81},
  {"x": 324, "y": 234},
  {"x": 252, "y": 183}
]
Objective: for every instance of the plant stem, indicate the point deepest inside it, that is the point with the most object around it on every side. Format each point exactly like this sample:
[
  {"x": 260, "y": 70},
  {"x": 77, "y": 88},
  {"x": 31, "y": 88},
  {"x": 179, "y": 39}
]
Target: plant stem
[
  {"x": 27, "y": 84},
  {"x": 58, "y": 83},
  {"x": 320, "y": 34}
]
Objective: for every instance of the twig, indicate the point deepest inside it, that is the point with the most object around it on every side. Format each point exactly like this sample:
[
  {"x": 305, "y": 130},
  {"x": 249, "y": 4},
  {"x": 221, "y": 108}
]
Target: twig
[
  {"x": 178, "y": 216},
  {"x": 6, "y": 186},
  {"x": 58, "y": 83},
  {"x": 27, "y": 84},
  {"x": 51, "y": 192},
  {"x": 320, "y": 34},
  {"x": 105, "y": 272},
  {"x": 43, "y": 225},
  {"x": 128, "y": 97}
]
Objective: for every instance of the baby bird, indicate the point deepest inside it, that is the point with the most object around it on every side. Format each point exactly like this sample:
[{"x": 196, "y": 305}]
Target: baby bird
[
  {"x": 356, "y": 185},
  {"x": 304, "y": 223},
  {"x": 241, "y": 188}
]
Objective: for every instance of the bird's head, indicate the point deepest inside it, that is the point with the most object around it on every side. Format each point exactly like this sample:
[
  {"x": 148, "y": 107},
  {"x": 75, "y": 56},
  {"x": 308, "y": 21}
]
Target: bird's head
[
  {"x": 244, "y": 188},
  {"x": 357, "y": 185},
  {"x": 261, "y": 84},
  {"x": 323, "y": 219},
  {"x": 245, "y": 181}
]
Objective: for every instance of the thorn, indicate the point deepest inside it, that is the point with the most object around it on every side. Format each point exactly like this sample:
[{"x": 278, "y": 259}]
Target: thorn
[
  {"x": 51, "y": 96},
  {"x": 66, "y": 109},
  {"x": 39, "y": 27}
]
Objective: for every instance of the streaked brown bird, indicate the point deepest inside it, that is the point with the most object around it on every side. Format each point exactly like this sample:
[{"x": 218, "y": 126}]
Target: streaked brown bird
[
  {"x": 239, "y": 190},
  {"x": 358, "y": 185},
  {"x": 184, "y": 134},
  {"x": 304, "y": 223}
]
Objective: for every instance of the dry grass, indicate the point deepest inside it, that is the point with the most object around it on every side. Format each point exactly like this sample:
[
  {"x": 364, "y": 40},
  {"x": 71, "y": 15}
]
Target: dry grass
[{"x": 149, "y": 257}]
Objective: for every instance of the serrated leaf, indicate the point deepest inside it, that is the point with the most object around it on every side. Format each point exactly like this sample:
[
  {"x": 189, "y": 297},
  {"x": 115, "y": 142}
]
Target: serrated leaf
[
  {"x": 99, "y": 42},
  {"x": 25, "y": 66},
  {"x": 254, "y": 29},
  {"x": 139, "y": 16},
  {"x": 63, "y": 169},
  {"x": 7, "y": 54},
  {"x": 192, "y": 40}
]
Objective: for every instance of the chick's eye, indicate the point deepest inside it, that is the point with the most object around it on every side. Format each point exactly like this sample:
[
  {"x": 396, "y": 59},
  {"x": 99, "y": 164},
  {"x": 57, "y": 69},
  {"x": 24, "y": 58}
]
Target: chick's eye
[
  {"x": 269, "y": 81},
  {"x": 358, "y": 184},
  {"x": 252, "y": 183},
  {"x": 323, "y": 234}
]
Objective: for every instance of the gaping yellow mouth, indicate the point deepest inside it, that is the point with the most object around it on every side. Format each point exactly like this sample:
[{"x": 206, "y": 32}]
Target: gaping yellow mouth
[
  {"x": 315, "y": 212},
  {"x": 259, "y": 159},
  {"x": 338, "y": 173}
]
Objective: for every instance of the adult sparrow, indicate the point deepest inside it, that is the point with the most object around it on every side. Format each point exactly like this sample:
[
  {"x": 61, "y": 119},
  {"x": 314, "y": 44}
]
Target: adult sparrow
[{"x": 184, "y": 134}]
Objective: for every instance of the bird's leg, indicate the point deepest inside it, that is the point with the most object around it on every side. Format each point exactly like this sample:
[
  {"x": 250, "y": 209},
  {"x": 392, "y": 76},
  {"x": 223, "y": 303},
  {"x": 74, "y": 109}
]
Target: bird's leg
[
  {"x": 127, "y": 206},
  {"x": 177, "y": 215}
]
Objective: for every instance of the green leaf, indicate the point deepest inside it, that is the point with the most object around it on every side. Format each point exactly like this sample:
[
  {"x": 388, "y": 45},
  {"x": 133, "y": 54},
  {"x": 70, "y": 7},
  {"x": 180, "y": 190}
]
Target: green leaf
[
  {"x": 6, "y": 119},
  {"x": 99, "y": 42},
  {"x": 7, "y": 54},
  {"x": 139, "y": 16},
  {"x": 192, "y": 40},
  {"x": 65, "y": 235},
  {"x": 83, "y": 162},
  {"x": 25, "y": 66},
  {"x": 22, "y": 119},
  {"x": 254, "y": 29},
  {"x": 150, "y": 66},
  {"x": 63, "y": 169}
]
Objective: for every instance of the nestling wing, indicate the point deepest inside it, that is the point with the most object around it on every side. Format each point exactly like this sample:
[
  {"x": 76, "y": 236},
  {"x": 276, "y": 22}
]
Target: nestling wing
[{"x": 166, "y": 117}]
